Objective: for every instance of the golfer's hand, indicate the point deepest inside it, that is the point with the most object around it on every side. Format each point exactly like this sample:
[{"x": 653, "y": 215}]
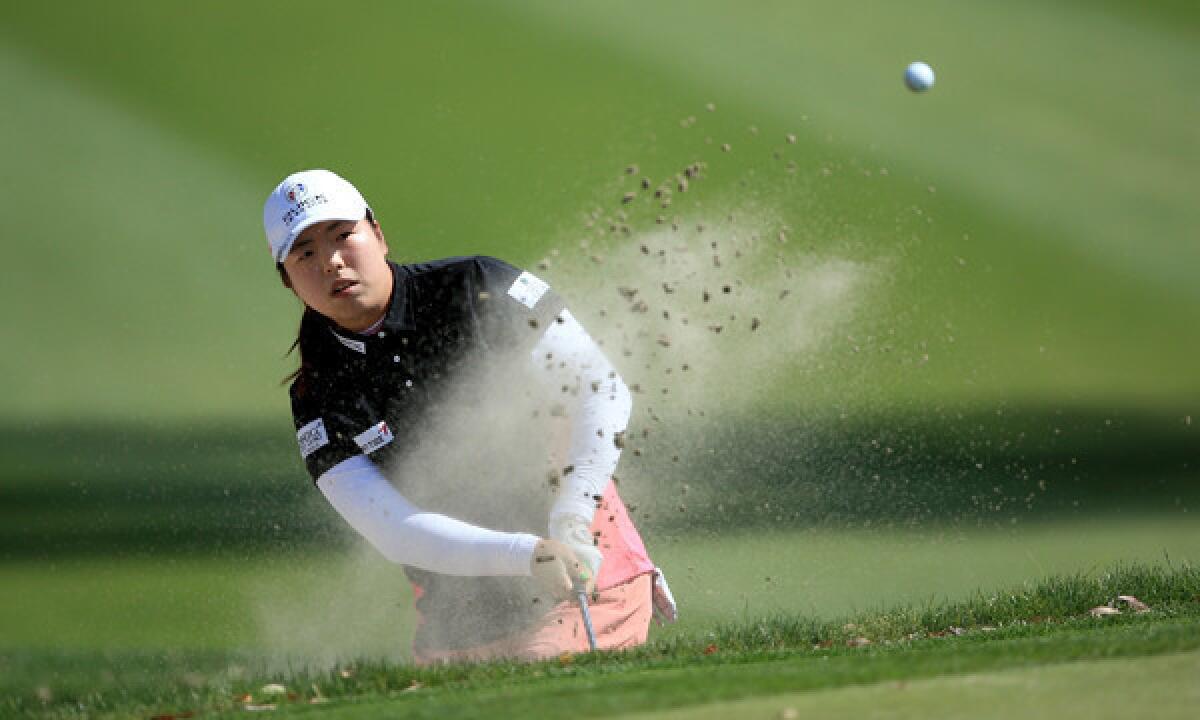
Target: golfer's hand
[
  {"x": 558, "y": 571},
  {"x": 576, "y": 533}
]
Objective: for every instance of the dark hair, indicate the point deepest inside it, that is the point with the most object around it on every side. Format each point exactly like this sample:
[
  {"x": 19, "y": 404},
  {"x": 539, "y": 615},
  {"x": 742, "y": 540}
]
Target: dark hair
[{"x": 307, "y": 323}]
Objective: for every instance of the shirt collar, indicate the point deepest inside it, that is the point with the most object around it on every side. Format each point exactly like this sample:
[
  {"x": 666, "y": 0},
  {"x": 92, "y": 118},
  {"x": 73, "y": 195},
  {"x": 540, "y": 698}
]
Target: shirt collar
[{"x": 393, "y": 319}]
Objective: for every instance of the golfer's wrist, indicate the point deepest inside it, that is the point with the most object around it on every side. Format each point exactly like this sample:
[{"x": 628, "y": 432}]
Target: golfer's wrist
[{"x": 523, "y": 547}]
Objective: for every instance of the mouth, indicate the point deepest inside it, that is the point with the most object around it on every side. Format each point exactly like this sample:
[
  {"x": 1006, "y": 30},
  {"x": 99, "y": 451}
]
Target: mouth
[{"x": 342, "y": 287}]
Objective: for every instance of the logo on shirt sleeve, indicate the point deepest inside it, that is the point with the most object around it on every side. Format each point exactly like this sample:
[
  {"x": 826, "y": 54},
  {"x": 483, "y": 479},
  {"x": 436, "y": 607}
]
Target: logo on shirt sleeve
[
  {"x": 312, "y": 437},
  {"x": 374, "y": 438},
  {"x": 528, "y": 289}
]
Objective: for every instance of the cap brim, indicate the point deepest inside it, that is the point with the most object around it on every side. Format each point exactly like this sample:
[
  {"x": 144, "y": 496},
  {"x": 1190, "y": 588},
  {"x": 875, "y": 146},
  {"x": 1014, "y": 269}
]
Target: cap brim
[{"x": 350, "y": 214}]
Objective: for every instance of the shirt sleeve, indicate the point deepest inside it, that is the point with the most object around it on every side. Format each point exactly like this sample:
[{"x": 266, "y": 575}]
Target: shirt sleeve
[
  {"x": 600, "y": 414},
  {"x": 326, "y": 426},
  {"x": 405, "y": 534},
  {"x": 514, "y": 306}
]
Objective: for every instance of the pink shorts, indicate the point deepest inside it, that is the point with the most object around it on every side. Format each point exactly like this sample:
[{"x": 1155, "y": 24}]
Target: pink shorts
[{"x": 620, "y": 617}]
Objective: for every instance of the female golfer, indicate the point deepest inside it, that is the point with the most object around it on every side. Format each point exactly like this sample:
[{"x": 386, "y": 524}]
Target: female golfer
[{"x": 429, "y": 404}]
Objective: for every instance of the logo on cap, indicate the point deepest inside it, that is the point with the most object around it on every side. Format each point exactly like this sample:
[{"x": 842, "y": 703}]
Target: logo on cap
[{"x": 297, "y": 193}]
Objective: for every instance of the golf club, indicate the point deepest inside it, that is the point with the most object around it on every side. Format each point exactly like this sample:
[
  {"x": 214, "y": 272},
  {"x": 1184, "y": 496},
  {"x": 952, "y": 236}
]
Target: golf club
[{"x": 581, "y": 593}]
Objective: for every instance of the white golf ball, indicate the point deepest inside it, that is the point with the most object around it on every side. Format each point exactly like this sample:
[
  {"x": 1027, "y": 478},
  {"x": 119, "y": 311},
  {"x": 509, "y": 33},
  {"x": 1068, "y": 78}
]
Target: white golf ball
[{"x": 918, "y": 77}]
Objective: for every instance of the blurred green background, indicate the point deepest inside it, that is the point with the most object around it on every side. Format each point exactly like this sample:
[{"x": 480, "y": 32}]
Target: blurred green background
[{"x": 1016, "y": 395}]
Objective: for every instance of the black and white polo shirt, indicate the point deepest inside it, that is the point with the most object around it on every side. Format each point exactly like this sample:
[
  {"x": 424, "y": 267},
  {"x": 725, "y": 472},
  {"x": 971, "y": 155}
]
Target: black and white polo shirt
[
  {"x": 374, "y": 395},
  {"x": 368, "y": 394}
]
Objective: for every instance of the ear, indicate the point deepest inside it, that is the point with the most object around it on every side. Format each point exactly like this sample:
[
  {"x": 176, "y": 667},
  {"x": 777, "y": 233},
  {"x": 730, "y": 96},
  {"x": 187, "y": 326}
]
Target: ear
[{"x": 379, "y": 234}]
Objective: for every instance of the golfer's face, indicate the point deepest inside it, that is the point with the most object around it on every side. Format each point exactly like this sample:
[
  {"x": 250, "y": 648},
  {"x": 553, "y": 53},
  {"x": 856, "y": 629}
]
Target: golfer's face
[{"x": 339, "y": 268}]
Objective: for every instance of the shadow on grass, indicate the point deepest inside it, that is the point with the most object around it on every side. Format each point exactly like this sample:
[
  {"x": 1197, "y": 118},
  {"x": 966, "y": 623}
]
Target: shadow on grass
[
  {"x": 125, "y": 488},
  {"x": 979, "y": 468},
  {"x": 128, "y": 489}
]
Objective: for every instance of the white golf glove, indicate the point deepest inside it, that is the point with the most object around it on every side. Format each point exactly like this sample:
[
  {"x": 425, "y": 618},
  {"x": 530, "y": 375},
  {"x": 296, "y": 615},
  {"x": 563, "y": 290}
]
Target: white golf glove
[
  {"x": 662, "y": 599},
  {"x": 576, "y": 533}
]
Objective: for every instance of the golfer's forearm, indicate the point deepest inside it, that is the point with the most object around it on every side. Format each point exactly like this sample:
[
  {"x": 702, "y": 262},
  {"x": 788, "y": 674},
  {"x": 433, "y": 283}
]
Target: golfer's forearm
[
  {"x": 593, "y": 455},
  {"x": 404, "y": 534},
  {"x": 599, "y": 410}
]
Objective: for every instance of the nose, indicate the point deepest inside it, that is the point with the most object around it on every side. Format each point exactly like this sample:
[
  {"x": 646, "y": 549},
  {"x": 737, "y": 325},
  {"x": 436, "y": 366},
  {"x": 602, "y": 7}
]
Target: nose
[{"x": 333, "y": 261}]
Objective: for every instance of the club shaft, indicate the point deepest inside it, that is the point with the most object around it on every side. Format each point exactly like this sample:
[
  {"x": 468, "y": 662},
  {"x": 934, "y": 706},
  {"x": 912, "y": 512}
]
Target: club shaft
[{"x": 587, "y": 618}]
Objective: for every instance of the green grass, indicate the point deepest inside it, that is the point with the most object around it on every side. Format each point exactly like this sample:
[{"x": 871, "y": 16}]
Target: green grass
[
  {"x": 1095, "y": 689},
  {"x": 700, "y": 683},
  {"x": 221, "y": 601},
  {"x": 1041, "y": 624},
  {"x": 1054, "y": 250},
  {"x": 1004, "y": 389}
]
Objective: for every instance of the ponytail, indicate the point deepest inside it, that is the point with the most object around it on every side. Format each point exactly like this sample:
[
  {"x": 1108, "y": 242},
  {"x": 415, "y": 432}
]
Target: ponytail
[{"x": 306, "y": 321}]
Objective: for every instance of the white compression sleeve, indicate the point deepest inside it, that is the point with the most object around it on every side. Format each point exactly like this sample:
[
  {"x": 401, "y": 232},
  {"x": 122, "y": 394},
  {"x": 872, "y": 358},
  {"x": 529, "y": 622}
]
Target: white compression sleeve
[
  {"x": 361, "y": 494},
  {"x": 601, "y": 410}
]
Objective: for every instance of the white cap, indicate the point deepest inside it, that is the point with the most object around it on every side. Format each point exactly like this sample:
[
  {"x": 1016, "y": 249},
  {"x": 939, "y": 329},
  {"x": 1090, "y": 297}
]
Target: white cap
[{"x": 306, "y": 198}]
